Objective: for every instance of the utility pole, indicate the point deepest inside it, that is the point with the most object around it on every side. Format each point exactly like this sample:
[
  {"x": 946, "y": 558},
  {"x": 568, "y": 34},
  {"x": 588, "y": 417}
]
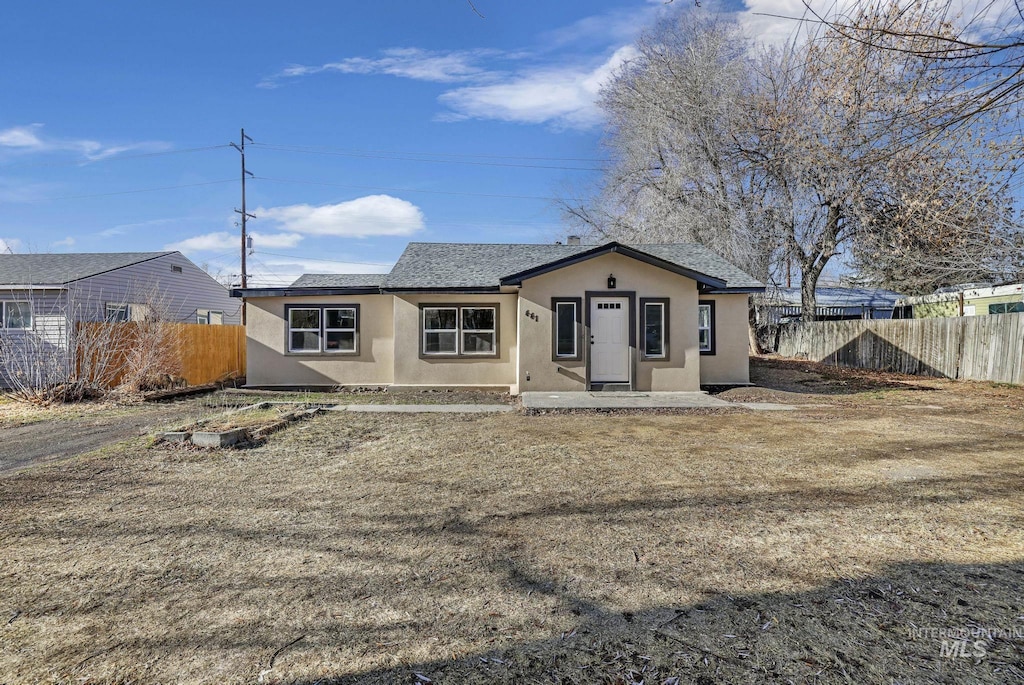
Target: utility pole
[{"x": 245, "y": 215}]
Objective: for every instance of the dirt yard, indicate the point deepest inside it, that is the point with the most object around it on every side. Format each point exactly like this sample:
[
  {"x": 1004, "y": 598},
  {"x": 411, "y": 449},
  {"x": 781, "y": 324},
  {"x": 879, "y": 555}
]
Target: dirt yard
[{"x": 849, "y": 541}]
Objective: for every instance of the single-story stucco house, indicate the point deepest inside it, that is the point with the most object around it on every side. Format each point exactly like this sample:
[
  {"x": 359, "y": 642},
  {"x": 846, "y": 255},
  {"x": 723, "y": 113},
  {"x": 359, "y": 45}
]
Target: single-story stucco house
[{"x": 519, "y": 317}]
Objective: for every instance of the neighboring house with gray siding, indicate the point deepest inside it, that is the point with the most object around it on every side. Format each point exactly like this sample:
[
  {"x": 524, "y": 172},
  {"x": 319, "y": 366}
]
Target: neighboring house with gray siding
[{"x": 42, "y": 295}]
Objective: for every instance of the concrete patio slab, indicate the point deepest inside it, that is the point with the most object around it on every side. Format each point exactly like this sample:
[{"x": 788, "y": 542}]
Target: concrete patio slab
[{"x": 621, "y": 400}]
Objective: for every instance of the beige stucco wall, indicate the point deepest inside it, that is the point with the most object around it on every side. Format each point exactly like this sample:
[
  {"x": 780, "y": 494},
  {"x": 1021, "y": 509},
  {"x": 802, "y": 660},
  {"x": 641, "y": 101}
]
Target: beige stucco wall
[
  {"x": 411, "y": 369},
  {"x": 269, "y": 364},
  {"x": 731, "y": 361},
  {"x": 680, "y": 372}
]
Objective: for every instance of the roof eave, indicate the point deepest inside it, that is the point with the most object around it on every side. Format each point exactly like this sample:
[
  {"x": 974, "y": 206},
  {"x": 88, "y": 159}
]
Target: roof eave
[
  {"x": 518, "y": 278},
  {"x": 750, "y": 290},
  {"x": 302, "y": 292},
  {"x": 464, "y": 290}
]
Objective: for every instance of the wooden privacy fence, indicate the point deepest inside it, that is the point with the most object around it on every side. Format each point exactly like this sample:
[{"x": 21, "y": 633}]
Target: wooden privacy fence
[
  {"x": 200, "y": 353},
  {"x": 986, "y": 348}
]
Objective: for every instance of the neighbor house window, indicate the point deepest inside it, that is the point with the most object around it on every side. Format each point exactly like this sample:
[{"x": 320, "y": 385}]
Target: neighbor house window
[
  {"x": 118, "y": 313},
  {"x": 654, "y": 325},
  {"x": 208, "y": 316},
  {"x": 1006, "y": 308},
  {"x": 16, "y": 315},
  {"x": 706, "y": 326},
  {"x": 330, "y": 329},
  {"x": 566, "y": 328},
  {"x": 460, "y": 330}
]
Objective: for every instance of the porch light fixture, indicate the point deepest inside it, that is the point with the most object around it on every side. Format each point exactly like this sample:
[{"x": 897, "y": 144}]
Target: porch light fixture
[{"x": 611, "y": 281}]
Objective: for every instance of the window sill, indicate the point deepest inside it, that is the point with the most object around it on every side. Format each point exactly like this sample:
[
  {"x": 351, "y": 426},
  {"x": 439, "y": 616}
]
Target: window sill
[
  {"x": 321, "y": 354},
  {"x": 470, "y": 357}
]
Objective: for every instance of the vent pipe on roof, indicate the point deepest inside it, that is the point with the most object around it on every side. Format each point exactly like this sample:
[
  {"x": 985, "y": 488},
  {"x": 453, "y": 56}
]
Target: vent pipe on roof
[{"x": 572, "y": 240}]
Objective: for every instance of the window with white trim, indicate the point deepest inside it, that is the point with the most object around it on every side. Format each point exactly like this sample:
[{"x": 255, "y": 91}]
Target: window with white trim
[
  {"x": 654, "y": 325},
  {"x": 459, "y": 330},
  {"x": 706, "y": 326},
  {"x": 566, "y": 328},
  {"x": 327, "y": 329},
  {"x": 209, "y": 317},
  {"x": 118, "y": 313},
  {"x": 339, "y": 329},
  {"x": 16, "y": 315}
]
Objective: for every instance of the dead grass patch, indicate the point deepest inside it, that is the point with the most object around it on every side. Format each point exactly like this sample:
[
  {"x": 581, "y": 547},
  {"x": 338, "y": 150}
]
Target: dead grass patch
[{"x": 740, "y": 547}]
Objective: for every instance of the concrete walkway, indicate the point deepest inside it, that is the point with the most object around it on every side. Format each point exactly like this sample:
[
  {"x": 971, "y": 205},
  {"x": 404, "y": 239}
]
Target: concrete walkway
[
  {"x": 424, "y": 408},
  {"x": 573, "y": 400},
  {"x": 638, "y": 400},
  {"x": 620, "y": 400}
]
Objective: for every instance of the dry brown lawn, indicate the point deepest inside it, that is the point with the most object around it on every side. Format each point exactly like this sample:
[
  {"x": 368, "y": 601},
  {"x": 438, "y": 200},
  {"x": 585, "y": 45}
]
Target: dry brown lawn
[{"x": 831, "y": 544}]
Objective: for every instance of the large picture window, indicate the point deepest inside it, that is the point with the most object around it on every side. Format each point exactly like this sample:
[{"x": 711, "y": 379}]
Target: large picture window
[
  {"x": 706, "y": 326},
  {"x": 566, "y": 327},
  {"x": 328, "y": 329},
  {"x": 459, "y": 330},
  {"x": 16, "y": 315},
  {"x": 654, "y": 325}
]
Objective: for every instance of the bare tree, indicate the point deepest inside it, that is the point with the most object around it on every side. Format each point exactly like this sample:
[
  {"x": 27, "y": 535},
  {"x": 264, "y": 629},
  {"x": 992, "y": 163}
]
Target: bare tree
[
  {"x": 980, "y": 45},
  {"x": 675, "y": 133},
  {"x": 799, "y": 156},
  {"x": 59, "y": 352}
]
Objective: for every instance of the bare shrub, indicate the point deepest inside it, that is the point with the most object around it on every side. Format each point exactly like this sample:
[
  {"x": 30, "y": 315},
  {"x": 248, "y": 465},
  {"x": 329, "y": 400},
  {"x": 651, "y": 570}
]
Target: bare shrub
[{"x": 67, "y": 355}]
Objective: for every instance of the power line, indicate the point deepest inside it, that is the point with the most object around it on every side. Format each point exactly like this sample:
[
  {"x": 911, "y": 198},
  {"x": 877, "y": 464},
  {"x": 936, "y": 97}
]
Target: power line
[
  {"x": 317, "y": 259},
  {"x": 413, "y": 190},
  {"x": 407, "y": 158},
  {"x": 434, "y": 154},
  {"x": 131, "y": 192},
  {"x": 115, "y": 158}
]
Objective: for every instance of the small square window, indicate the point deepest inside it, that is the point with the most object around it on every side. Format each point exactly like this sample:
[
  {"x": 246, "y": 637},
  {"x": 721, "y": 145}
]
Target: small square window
[{"x": 17, "y": 315}]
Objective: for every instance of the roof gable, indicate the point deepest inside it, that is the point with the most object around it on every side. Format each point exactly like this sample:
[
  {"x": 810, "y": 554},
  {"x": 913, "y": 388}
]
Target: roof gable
[
  {"x": 608, "y": 248},
  {"x": 453, "y": 266},
  {"x": 63, "y": 268}
]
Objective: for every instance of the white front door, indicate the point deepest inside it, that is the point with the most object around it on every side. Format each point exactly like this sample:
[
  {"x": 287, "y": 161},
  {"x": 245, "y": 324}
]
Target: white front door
[{"x": 609, "y": 350}]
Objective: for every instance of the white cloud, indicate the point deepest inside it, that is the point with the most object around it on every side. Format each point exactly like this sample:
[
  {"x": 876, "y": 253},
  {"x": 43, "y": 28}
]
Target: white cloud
[
  {"x": 9, "y": 245},
  {"x": 21, "y": 137},
  {"x": 565, "y": 96},
  {"x": 30, "y": 139},
  {"x": 66, "y": 242},
  {"x": 225, "y": 240},
  {"x": 454, "y": 66},
  {"x": 372, "y": 215},
  {"x": 614, "y": 27}
]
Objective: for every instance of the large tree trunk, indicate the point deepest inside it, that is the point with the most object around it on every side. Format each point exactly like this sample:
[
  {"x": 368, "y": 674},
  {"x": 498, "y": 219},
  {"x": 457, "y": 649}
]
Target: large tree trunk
[{"x": 808, "y": 298}]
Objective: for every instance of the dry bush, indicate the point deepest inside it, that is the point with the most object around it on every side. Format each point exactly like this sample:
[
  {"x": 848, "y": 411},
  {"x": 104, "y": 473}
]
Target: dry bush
[{"x": 68, "y": 356}]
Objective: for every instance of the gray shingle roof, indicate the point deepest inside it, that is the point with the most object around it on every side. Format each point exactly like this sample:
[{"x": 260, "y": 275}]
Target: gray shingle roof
[
  {"x": 339, "y": 281},
  {"x": 54, "y": 269},
  {"x": 877, "y": 298},
  {"x": 469, "y": 265}
]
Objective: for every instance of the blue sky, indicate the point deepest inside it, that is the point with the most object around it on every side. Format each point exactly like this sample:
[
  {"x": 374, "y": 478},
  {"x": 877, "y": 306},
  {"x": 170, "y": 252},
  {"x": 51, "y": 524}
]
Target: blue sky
[{"x": 375, "y": 124}]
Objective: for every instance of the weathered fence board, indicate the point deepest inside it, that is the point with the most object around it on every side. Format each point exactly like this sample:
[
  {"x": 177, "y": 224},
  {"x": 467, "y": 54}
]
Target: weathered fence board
[
  {"x": 205, "y": 353},
  {"x": 971, "y": 347}
]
